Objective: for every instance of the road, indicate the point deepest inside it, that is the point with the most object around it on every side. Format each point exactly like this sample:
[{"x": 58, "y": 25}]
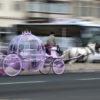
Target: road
[{"x": 70, "y": 86}]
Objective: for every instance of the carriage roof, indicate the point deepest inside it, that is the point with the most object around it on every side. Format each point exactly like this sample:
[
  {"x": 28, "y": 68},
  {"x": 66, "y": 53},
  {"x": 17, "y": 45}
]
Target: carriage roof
[{"x": 25, "y": 41}]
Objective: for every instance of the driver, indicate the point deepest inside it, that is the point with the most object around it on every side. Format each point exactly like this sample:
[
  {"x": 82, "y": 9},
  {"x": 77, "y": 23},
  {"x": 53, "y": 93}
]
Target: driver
[
  {"x": 51, "y": 42},
  {"x": 51, "y": 39}
]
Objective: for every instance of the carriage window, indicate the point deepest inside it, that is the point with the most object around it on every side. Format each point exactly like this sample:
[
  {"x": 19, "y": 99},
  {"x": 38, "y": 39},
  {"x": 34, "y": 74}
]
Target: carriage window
[
  {"x": 21, "y": 47},
  {"x": 26, "y": 45},
  {"x": 33, "y": 44},
  {"x": 13, "y": 48}
]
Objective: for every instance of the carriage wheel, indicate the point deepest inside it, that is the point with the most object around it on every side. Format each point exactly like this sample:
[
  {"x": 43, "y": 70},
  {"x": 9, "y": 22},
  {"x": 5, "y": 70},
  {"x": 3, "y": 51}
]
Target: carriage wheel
[
  {"x": 12, "y": 65},
  {"x": 58, "y": 66},
  {"x": 47, "y": 66}
]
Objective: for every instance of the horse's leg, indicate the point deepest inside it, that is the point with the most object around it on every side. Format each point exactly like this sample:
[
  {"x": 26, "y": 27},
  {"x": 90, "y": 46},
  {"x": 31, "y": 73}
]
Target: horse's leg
[{"x": 72, "y": 61}]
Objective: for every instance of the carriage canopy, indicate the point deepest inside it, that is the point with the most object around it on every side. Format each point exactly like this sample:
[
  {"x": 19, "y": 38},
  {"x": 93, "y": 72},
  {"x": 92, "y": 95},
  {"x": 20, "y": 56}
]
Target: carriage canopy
[{"x": 26, "y": 44}]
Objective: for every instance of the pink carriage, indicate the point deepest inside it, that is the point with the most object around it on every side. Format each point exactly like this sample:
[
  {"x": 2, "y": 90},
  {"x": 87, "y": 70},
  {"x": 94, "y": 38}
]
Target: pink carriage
[{"x": 27, "y": 52}]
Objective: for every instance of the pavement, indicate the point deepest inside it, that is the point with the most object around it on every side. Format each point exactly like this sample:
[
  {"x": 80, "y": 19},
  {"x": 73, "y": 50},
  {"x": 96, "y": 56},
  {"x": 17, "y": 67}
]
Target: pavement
[
  {"x": 82, "y": 67},
  {"x": 73, "y": 68},
  {"x": 69, "y": 68}
]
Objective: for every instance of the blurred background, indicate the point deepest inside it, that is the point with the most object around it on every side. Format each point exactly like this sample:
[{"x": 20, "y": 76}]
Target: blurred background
[{"x": 75, "y": 22}]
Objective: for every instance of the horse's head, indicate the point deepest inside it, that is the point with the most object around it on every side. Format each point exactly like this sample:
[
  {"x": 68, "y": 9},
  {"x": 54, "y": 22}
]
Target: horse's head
[{"x": 91, "y": 46}]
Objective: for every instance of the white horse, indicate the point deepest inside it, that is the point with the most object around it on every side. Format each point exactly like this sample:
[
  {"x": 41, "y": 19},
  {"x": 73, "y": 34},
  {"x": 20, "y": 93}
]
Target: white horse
[{"x": 73, "y": 53}]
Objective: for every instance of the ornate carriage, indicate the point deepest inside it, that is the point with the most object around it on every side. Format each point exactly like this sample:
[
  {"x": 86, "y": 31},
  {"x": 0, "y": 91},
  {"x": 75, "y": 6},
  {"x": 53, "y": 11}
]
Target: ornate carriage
[{"x": 27, "y": 52}]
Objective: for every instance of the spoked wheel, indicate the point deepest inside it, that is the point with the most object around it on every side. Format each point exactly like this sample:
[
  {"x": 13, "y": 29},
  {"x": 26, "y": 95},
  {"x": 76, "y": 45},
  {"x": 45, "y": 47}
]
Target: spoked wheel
[
  {"x": 47, "y": 66},
  {"x": 58, "y": 66},
  {"x": 12, "y": 65}
]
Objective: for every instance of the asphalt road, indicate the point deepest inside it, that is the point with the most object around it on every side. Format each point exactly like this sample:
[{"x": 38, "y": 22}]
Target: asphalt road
[{"x": 70, "y": 86}]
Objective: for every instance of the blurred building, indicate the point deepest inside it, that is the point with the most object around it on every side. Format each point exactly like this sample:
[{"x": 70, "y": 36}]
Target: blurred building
[
  {"x": 29, "y": 11},
  {"x": 15, "y": 12},
  {"x": 87, "y": 9},
  {"x": 53, "y": 9},
  {"x": 11, "y": 12},
  {"x": 46, "y": 10}
]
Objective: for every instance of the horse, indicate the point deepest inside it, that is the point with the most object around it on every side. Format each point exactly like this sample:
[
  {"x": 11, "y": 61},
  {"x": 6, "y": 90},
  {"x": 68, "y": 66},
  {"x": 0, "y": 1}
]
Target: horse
[{"x": 71, "y": 55}]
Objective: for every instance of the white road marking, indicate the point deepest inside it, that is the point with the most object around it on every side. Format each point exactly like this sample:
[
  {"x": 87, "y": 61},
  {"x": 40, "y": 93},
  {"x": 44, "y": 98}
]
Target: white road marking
[
  {"x": 28, "y": 82},
  {"x": 89, "y": 79},
  {"x": 32, "y": 82}
]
